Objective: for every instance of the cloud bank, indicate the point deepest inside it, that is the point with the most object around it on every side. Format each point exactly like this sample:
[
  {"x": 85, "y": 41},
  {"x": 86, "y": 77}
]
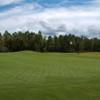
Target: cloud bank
[{"x": 64, "y": 18}]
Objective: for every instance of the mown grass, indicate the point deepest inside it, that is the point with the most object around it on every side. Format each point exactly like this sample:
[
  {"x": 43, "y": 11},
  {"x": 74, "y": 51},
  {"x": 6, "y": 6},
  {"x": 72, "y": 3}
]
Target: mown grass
[{"x": 49, "y": 76}]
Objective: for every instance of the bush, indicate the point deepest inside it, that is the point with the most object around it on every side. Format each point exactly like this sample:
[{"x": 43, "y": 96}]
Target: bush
[{"x": 4, "y": 49}]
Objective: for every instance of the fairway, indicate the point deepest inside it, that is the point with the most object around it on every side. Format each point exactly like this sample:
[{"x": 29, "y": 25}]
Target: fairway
[{"x": 49, "y": 76}]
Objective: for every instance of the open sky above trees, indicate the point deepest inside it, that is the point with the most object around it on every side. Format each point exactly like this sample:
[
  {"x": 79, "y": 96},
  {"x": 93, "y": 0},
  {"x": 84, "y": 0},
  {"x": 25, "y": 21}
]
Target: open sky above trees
[{"x": 79, "y": 17}]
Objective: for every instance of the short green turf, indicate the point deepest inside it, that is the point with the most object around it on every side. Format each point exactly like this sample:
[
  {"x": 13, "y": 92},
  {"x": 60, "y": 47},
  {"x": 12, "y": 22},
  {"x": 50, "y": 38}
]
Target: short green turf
[{"x": 49, "y": 76}]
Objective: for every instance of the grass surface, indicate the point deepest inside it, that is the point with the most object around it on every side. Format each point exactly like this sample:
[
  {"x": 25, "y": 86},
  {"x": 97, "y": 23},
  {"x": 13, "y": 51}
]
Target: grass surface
[{"x": 49, "y": 76}]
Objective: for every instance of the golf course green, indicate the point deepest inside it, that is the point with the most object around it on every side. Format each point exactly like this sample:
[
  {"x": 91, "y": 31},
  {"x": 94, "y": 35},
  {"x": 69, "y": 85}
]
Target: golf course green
[{"x": 30, "y": 75}]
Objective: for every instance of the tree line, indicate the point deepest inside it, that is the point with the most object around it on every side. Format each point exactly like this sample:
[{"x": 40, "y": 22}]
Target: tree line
[{"x": 19, "y": 41}]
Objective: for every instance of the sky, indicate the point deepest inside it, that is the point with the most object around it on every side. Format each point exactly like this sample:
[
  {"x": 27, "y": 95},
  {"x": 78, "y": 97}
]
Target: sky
[{"x": 52, "y": 17}]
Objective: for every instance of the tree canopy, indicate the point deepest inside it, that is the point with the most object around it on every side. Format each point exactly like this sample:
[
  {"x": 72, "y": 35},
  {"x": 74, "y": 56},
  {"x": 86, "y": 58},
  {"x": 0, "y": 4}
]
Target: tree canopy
[{"x": 19, "y": 41}]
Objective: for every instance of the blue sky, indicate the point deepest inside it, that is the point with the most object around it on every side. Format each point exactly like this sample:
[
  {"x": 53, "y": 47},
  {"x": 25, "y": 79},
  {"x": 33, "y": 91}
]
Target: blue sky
[
  {"x": 45, "y": 3},
  {"x": 79, "y": 17}
]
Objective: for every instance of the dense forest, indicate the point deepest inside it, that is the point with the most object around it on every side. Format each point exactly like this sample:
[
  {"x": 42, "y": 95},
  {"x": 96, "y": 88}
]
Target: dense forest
[{"x": 18, "y": 41}]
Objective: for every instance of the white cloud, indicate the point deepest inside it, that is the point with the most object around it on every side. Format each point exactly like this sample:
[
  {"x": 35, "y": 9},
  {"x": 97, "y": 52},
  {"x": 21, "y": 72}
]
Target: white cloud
[
  {"x": 6, "y": 2},
  {"x": 76, "y": 20}
]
